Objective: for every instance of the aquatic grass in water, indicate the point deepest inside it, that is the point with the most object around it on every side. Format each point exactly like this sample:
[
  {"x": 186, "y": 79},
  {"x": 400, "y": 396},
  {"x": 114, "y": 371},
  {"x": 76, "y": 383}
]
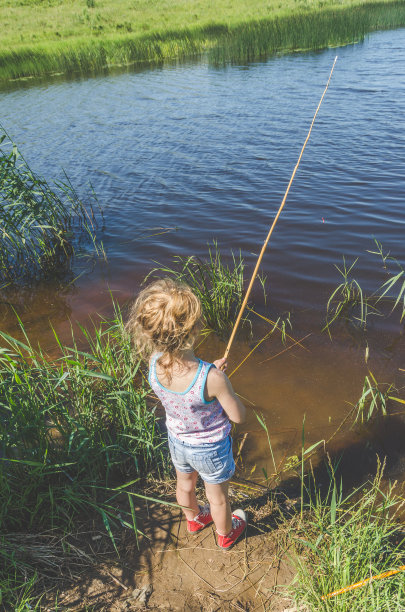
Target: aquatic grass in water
[
  {"x": 373, "y": 399},
  {"x": 89, "y": 55},
  {"x": 40, "y": 225},
  {"x": 397, "y": 282},
  {"x": 393, "y": 289},
  {"x": 288, "y": 463},
  {"x": 219, "y": 286},
  {"x": 347, "y": 301},
  {"x": 305, "y": 28}
]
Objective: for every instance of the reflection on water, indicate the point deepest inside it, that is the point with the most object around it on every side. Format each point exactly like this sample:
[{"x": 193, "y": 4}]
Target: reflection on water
[{"x": 184, "y": 154}]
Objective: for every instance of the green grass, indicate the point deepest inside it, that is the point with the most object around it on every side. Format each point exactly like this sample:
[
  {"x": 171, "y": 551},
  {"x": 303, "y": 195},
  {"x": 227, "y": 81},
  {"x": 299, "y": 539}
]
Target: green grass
[
  {"x": 77, "y": 435},
  {"x": 336, "y": 540},
  {"x": 373, "y": 399},
  {"x": 40, "y": 224},
  {"x": 396, "y": 284},
  {"x": 71, "y": 37},
  {"x": 343, "y": 540},
  {"x": 393, "y": 289}
]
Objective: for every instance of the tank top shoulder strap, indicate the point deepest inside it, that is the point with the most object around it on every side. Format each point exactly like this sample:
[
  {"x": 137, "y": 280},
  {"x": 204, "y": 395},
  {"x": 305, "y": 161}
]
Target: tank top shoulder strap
[
  {"x": 202, "y": 380},
  {"x": 152, "y": 369}
]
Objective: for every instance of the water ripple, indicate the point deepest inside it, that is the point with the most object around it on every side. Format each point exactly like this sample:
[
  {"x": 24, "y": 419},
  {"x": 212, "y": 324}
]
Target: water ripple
[{"x": 210, "y": 151}]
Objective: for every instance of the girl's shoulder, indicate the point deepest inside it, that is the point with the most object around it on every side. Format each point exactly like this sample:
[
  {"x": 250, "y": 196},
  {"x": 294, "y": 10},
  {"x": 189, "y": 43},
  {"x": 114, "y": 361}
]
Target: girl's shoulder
[{"x": 216, "y": 380}]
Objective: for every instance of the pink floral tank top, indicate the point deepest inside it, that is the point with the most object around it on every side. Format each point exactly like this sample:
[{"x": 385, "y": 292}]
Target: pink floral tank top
[{"x": 189, "y": 417}]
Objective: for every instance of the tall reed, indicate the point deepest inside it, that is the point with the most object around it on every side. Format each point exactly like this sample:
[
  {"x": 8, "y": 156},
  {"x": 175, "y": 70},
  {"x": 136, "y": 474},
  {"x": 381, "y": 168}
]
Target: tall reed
[
  {"x": 304, "y": 29},
  {"x": 40, "y": 224}
]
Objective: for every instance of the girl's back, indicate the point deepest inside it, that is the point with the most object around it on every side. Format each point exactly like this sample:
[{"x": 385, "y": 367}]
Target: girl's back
[{"x": 190, "y": 417}]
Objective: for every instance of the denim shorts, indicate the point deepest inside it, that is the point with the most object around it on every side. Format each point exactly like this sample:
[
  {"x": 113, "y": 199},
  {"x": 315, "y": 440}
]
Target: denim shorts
[{"x": 213, "y": 461}]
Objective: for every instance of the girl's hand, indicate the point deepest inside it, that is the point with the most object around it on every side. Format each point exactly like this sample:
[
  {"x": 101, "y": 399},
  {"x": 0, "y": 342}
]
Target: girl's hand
[{"x": 221, "y": 364}]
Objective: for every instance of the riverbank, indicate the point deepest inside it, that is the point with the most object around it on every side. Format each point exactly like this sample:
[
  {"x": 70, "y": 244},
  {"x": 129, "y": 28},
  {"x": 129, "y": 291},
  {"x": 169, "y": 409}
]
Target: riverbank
[
  {"x": 82, "y": 38},
  {"x": 285, "y": 562},
  {"x": 89, "y": 518}
]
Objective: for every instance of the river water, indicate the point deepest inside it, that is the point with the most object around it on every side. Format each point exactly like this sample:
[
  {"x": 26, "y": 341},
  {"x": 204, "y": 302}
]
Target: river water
[{"x": 184, "y": 154}]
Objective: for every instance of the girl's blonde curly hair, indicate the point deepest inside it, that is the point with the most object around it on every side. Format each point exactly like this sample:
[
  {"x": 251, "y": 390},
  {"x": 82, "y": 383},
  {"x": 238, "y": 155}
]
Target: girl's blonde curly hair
[{"x": 165, "y": 318}]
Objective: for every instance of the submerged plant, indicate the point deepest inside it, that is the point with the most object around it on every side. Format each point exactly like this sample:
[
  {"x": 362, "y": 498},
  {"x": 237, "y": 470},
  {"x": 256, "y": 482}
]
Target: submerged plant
[
  {"x": 292, "y": 462},
  {"x": 283, "y": 323},
  {"x": 219, "y": 286},
  {"x": 40, "y": 225}
]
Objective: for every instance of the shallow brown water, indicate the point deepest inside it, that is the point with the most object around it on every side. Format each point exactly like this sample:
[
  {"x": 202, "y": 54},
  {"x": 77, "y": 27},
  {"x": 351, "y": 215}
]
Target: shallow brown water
[{"x": 185, "y": 154}]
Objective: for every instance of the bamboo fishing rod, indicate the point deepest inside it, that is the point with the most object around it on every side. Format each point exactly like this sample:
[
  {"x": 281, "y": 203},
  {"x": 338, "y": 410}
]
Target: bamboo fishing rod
[
  {"x": 255, "y": 271},
  {"x": 357, "y": 585}
]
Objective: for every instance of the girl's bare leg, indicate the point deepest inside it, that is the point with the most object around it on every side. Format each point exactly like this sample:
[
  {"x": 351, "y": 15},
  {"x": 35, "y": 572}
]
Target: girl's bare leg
[
  {"x": 185, "y": 493},
  {"x": 220, "y": 508}
]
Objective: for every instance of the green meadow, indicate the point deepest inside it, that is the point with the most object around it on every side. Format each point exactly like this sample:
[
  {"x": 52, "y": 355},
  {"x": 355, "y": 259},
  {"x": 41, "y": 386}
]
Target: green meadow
[{"x": 42, "y": 37}]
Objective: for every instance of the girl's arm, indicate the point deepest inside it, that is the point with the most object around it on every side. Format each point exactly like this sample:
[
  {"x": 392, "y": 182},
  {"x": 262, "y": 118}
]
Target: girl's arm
[{"x": 218, "y": 386}]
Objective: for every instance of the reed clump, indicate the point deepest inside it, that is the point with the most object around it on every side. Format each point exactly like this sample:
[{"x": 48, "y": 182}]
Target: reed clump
[
  {"x": 349, "y": 303},
  {"x": 304, "y": 29},
  {"x": 41, "y": 225}
]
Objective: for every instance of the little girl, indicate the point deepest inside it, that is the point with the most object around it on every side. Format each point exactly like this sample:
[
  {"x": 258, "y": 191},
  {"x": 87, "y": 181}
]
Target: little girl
[{"x": 199, "y": 402}]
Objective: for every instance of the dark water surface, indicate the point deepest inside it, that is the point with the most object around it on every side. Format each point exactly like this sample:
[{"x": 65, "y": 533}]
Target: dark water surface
[{"x": 207, "y": 153}]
